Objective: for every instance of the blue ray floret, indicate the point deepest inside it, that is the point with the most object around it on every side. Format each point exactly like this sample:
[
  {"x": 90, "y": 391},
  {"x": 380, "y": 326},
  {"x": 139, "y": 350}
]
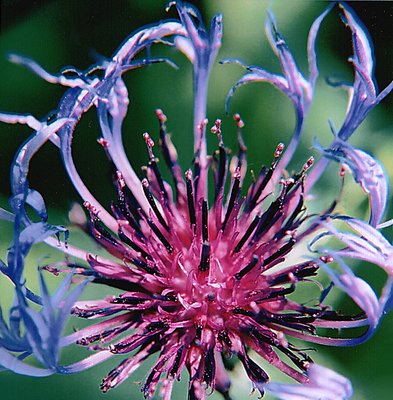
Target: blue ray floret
[{"x": 32, "y": 332}]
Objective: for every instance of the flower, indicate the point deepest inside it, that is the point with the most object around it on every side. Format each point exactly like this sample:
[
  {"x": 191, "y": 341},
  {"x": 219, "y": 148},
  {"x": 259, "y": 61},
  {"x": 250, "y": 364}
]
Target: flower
[{"x": 205, "y": 276}]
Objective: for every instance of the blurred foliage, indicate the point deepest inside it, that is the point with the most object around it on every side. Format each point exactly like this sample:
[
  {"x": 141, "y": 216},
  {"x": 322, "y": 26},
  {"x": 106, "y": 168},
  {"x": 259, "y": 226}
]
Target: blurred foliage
[{"x": 60, "y": 33}]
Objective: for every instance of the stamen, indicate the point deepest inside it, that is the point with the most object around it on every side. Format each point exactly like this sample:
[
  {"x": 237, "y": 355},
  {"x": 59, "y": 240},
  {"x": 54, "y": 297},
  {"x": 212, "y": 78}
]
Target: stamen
[
  {"x": 239, "y": 121},
  {"x": 221, "y": 170},
  {"x": 190, "y": 198},
  {"x": 89, "y": 207},
  {"x": 268, "y": 218},
  {"x": 150, "y": 143},
  {"x": 205, "y": 228},
  {"x": 161, "y": 116},
  {"x": 210, "y": 367},
  {"x": 222, "y": 164},
  {"x": 294, "y": 273},
  {"x": 204, "y": 265},
  {"x": 159, "y": 235},
  {"x": 176, "y": 364},
  {"x": 153, "y": 205},
  {"x": 279, "y": 253},
  {"x": 267, "y": 176},
  {"x": 326, "y": 259},
  {"x": 248, "y": 233},
  {"x": 217, "y": 128},
  {"x": 240, "y": 141},
  {"x": 247, "y": 268},
  {"x": 170, "y": 155},
  {"x": 153, "y": 165},
  {"x": 224, "y": 338},
  {"x": 289, "y": 224},
  {"x": 147, "y": 268},
  {"x": 121, "y": 210},
  {"x": 125, "y": 239},
  {"x": 104, "y": 143},
  {"x": 233, "y": 199},
  {"x": 279, "y": 150},
  {"x": 127, "y": 205},
  {"x": 308, "y": 164},
  {"x": 205, "y": 253}
]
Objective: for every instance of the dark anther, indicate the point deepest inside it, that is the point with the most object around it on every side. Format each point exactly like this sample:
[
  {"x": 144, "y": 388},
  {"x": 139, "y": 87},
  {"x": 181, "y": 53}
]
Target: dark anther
[
  {"x": 210, "y": 367},
  {"x": 255, "y": 197},
  {"x": 153, "y": 204},
  {"x": 232, "y": 200},
  {"x": 204, "y": 265},
  {"x": 190, "y": 199},
  {"x": 160, "y": 236},
  {"x": 281, "y": 252},
  {"x": 156, "y": 326},
  {"x": 247, "y": 268},
  {"x": 147, "y": 268},
  {"x": 248, "y": 233},
  {"x": 125, "y": 239},
  {"x": 268, "y": 219},
  {"x": 205, "y": 229},
  {"x": 176, "y": 364},
  {"x": 254, "y": 371},
  {"x": 224, "y": 338}
]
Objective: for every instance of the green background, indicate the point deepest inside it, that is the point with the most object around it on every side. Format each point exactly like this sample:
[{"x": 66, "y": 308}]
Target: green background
[{"x": 61, "y": 33}]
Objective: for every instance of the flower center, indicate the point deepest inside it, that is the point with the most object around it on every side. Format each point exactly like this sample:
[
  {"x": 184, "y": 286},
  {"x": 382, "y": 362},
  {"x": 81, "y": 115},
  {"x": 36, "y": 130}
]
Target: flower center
[{"x": 205, "y": 264}]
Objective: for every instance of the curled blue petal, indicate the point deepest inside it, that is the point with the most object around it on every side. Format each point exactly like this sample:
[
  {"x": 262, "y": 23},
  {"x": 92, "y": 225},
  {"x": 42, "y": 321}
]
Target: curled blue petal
[
  {"x": 201, "y": 48},
  {"x": 365, "y": 243},
  {"x": 323, "y": 384},
  {"x": 26, "y": 119},
  {"x": 36, "y": 233},
  {"x": 368, "y": 245},
  {"x": 6, "y": 215},
  {"x": 299, "y": 89},
  {"x": 367, "y": 172},
  {"x": 38, "y": 335},
  {"x": 358, "y": 289},
  {"x": 22, "y": 160},
  {"x": 42, "y": 329},
  {"x": 311, "y": 46},
  {"x": 256, "y": 75},
  {"x": 387, "y": 296},
  {"x": 363, "y": 52},
  {"x": 12, "y": 363},
  {"x": 363, "y": 95},
  {"x": 293, "y": 83},
  {"x": 38, "y": 70},
  {"x": 36, "y": 201}
]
